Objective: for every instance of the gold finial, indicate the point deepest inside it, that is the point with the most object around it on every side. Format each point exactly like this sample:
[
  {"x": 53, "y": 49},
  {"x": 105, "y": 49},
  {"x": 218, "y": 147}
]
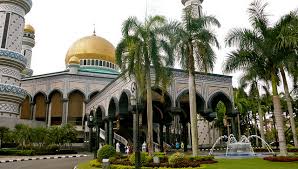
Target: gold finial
[{"x": 94, "y": 33}]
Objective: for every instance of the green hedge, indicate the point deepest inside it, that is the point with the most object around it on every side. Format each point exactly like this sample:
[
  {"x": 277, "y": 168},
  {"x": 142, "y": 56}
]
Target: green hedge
[
  {"x": 132, "y": 167},
  {"x": 17, "y": 152},
  {"x": 176, "y": 158}
]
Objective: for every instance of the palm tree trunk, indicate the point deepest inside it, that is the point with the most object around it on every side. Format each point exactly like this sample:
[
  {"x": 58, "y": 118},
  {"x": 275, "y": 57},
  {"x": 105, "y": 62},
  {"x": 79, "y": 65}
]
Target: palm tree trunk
[
  {"x": 193, "y": 114},
  {"x": 278, "y": 116},
  {"x": 192, "y": 102},
  {"x": 256, "y": 129},
  {"x": 289, "y": 105},
  {"x": 149, "y": 113},
  {"x": 261, "y": 124}
]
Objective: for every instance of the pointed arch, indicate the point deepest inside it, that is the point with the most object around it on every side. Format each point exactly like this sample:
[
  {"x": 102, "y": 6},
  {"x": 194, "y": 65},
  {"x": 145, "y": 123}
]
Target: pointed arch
[
  {"x": 75, "y": 107},
  {"x": 26, "y": 112},
  {"x": 40, "y": 100},
  {"x": 220, "y": 96},
  {"x": 56, "y": 106}
]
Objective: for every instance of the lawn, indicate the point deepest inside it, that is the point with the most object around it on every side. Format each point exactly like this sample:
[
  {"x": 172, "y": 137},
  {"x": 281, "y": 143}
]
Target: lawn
[{"x": 252, "y": 163}]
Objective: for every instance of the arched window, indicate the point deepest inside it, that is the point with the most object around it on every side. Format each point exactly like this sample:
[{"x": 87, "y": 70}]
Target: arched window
[
  {"x": 100, "y": 63},
  {"x": 104, "y": 63},
  {"x": 85, "y": 62},
  {"x": 96, "y": 62},
  {"x": 88, "y": 62},
  {"x": 92, "y": 62},
  {"x": 81, "y": 62}
]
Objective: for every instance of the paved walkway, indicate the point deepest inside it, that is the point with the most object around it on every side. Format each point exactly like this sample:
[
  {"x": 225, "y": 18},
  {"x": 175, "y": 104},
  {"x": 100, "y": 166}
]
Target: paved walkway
[
  {"x": 62, "y": 163},
  {"x": 7, "y": 159}
]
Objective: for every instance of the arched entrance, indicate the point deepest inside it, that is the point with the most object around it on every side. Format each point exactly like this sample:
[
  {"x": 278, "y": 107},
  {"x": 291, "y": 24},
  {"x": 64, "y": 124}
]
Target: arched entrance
[
  {"x": 220, "y": 100},
  {"x": 75, "y": 107},
  {"x": 26, "y": 113},
  {"x": 112, "y": 109},
  {"x": 56, "y": 108},
  {"x": 125, "y": 118},
  {"x": 40, "y": 106}
]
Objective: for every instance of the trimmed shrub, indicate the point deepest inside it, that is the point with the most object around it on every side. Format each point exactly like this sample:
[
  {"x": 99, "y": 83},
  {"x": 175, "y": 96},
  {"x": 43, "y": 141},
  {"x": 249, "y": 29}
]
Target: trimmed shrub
[
  {"x": 106, "y": 152},
  {"x": 95, "y": 163},
  {"x": 201, "y": 158},
  {"x": 17, "y": 152},
  {"x": 145, "y": 158},
  {"x": 176, "y": 158}
]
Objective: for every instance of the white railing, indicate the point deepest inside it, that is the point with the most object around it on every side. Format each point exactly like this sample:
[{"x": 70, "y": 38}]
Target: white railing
[{"x": 116, "y": 137}]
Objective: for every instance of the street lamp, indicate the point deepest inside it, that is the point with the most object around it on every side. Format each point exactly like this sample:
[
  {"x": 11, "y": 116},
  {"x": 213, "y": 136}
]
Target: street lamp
[
  {"x": 135, "y": 111},
  {"x": 90, "y": 125}
]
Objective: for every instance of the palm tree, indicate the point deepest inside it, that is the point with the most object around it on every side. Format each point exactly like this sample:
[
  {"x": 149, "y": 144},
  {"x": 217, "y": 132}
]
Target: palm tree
[
  {"x": 193, "y": 45},
  {"x": 144, "y": 45},
  {"x": 256, "y": 49},
  {"x": 288, "y": 42},
  {"x": 252, "y": 77}
]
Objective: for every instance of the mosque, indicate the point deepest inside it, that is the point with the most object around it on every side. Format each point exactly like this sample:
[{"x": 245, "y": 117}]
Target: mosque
[{"x": 93, "y": 84}]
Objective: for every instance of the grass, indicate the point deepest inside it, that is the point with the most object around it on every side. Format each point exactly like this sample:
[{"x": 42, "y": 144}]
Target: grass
[
  {"x": 85, "y": 165},
  {"x": 251, "y": 163}
]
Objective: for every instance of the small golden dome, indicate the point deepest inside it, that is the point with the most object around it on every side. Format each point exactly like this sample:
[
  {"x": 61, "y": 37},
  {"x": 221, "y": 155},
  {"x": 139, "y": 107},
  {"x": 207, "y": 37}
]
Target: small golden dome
[
  {"x": 74, "y": 60},
  {"x": 91, "y": 47},
  {"x": 28, "y": 28}
]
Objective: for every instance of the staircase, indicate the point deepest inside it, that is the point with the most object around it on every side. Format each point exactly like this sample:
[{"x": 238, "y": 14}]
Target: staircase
[{"x": 116, "y": 137}]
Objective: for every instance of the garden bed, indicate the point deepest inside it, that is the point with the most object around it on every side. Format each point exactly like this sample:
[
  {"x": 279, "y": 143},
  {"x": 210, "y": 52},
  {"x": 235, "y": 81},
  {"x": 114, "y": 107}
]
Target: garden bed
[{"x": 281, "y": 158}]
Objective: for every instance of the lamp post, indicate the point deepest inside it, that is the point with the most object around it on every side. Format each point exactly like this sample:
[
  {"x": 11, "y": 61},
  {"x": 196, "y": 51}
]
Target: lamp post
[
  {"x": 90, "y": 125},
  {"x": 135, "y": 111}
]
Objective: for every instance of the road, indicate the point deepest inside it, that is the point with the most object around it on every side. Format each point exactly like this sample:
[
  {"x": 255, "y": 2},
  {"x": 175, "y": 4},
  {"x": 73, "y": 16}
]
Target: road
[{"x": 66, "y": 163}]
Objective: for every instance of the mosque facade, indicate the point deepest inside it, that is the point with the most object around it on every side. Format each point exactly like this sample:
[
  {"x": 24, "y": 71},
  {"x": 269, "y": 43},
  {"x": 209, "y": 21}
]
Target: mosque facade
[{"x": 93, "y": 84}]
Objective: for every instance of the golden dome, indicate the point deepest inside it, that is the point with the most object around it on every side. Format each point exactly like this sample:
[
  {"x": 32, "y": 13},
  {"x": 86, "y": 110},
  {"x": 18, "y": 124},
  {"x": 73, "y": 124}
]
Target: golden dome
[
  {"x": 91, "y": 47},
  {"x": 28, "y": 28},
  {"x": 74, "y": 60}
]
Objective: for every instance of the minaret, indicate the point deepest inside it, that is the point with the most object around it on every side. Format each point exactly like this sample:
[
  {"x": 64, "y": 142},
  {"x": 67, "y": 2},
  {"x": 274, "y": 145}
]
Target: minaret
[
  {"x": 12, "y": 61},
  {"x": 27, "y": 45},
  {"x": 195, "y": 5}
]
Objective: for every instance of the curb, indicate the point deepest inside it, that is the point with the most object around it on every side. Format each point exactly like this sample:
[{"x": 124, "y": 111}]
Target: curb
[{"x": 42, "y": 158}]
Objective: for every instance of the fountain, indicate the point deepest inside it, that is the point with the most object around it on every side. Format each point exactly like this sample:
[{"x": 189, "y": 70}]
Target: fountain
[{"x": 241, "y": 148}]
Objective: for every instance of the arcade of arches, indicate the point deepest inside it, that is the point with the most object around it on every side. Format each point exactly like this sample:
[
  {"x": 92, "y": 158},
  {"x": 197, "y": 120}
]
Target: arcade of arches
[{"x": 170, "y": 123}]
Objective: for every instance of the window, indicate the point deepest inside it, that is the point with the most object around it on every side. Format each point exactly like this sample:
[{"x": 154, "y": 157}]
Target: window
[
  {"x": 92, "y": 62},
  {"x": 81, "y": 62},
  {"x": 88, "y": 62},
  {"x": 100, "y": 63},
  {"x": 96, "y": 62},
  {"x": 85, "y": 62},
  {"x": 104, "y": 63}
]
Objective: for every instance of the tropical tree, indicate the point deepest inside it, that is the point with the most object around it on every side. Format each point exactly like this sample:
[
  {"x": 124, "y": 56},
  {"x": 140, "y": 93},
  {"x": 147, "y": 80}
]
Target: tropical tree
[
  {"x": 252, "y": 77},
  {"x": 257, "y": 49},
  {"x": 193, "y": 40},
  {"x": 288, "y": 41},
  {"x": 3, "y": 133},
  {"x": 143, "y": 48}
]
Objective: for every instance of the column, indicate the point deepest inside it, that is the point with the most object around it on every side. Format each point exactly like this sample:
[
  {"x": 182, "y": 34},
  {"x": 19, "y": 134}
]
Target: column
[
  {"x": 65, "y": 111},
  {"x": 168, "y": 133},
  {"x": 49, "y": 114},
  {"x": 184, "y": 126},
  {"x": 34, "y": 111},
  {"x": 135, "y": 134},
  {"x": 189, "y": 134},
  {"x": 106, "y": 131},
  {"x": 111, "y": 134},
  {"x": 84, "y": 111},
  {"x": 161, "y": 137}
]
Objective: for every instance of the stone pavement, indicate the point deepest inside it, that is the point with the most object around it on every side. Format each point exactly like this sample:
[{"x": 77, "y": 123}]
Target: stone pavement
[{"x": 7, "y": 159}]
